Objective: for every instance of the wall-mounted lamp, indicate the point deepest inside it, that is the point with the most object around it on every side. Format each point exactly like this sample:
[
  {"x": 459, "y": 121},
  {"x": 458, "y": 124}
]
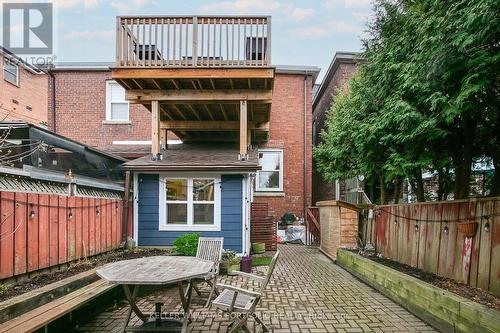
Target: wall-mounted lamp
[
  {"x": 487, "y": 227},
  {"x": 446, "y": 229},
  {"x": 417, "y": 227},
  {"x": 32, "y": 214},
  {"x": 70, "y": 215}
]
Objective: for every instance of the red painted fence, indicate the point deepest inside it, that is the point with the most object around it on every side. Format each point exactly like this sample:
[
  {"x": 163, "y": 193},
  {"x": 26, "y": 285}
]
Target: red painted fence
[
  {"x": 38, "y": 231},
  {"x": 425, "y": 235}
]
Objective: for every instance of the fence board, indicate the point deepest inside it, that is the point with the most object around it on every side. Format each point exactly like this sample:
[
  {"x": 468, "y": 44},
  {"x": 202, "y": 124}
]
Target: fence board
[
  {"x": 77, "y": 216},
  {"x": 494, "y": 286},
  {"x": 54, "y": 230},
  {"x": 33, "y": 228},
  {"x": 85, "y": 227},
  {"x": 7, "y": 225},
  {"x": 43, "y": 231},
  {"x": 70, "y": 218},
  {"x": 20, "y": 235},
  {"x": 92, "y": 214},
  {"x": 63, "y": 230}
]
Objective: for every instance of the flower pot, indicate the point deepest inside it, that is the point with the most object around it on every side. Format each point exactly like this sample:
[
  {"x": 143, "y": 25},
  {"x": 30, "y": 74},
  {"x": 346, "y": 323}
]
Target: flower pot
[
  {"x": 233, "y": 268},
  {"x": 258, "y": 247},
  {"x": 468, "y": 229}
]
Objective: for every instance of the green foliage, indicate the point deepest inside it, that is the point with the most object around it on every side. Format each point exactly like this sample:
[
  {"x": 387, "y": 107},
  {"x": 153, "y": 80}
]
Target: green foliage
[
  {"x": 426, "y": 99},
  {"x": 187, "y": 244}
]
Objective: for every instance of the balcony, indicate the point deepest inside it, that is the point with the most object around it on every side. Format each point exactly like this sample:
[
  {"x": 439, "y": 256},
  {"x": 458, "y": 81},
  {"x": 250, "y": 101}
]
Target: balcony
[{"x": 193, "y": 41}]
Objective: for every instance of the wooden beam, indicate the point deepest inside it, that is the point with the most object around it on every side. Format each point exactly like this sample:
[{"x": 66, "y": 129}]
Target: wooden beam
[
  {"x": 155, "y": 128},
  {"x": 209, "y": 125},
  {"x": 147, "y": 95},
  {"x": 243, "y": 129},
  {"x": 192, "y": 73}
]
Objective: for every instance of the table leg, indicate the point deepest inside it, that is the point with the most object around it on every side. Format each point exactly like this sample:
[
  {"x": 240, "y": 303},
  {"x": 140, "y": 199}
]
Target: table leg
[
  {"x": 131, "y": 296},
  {"x": 186, "y": 304}
]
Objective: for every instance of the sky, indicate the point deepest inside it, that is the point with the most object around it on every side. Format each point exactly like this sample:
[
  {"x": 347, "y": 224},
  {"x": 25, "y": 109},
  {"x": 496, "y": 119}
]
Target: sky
[{"x": 304, "y": 32}]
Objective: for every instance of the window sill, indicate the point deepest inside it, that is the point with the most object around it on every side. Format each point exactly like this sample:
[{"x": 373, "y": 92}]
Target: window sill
[
  {"x": 269, "y": 194},
  {"x": 189, "y": 228},
  {"x": 13, "y": 83},
  {"x": 116, "y": 122}
]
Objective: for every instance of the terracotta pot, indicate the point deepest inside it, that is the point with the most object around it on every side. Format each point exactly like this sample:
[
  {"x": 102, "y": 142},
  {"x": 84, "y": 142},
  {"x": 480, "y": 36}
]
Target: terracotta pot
[{"x": 468, "y": 229}]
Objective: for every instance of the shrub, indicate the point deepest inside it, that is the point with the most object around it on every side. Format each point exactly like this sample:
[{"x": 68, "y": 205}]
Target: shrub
[{"x": 187, "y": 244}]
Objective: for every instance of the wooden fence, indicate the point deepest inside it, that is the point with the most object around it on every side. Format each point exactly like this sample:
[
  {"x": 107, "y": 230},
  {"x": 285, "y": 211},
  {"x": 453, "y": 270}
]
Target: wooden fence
[
  {"x": 425, "y": 235},
  {"x": 38, "y": 231}
]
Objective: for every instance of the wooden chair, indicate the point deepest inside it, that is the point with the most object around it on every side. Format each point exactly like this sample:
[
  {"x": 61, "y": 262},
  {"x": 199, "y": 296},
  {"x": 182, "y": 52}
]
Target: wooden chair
[
  {"x": 210, "y": 248},
  {"x": 240, "y": 303}
]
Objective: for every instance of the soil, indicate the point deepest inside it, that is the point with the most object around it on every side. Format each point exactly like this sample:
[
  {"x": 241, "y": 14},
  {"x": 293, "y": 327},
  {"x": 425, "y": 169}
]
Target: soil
[
  {"x": 461, "y": 289},
  {"x": 9, "y": 290}
]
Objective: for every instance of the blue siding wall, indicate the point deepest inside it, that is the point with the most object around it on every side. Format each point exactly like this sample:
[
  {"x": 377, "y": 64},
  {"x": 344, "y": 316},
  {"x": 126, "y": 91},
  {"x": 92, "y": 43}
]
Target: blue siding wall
[{"x": 231, "y": 214}]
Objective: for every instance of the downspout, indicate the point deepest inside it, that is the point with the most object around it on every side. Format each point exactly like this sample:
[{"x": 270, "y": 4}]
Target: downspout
[
  {"x": 53, "y": 98},
  {"x": 305, "y": 144}
]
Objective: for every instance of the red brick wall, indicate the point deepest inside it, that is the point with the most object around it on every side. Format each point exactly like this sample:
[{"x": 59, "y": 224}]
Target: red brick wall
[
  {"x": 287, "y": 132},
  {"x": 32, "y": 92},
  {"x": 81, "y": 111},
  {"x": 326, "y": 190}
]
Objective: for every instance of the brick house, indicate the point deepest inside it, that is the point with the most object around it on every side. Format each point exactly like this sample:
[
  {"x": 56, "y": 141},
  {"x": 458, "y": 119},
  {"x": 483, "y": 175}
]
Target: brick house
[
  {"x": 341, "y": 69},
  {"x": 24, "y": 90},
  {"x": 113, "y": 107}
]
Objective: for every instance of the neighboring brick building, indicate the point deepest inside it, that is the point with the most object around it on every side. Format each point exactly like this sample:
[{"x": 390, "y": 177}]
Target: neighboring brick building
[
  {"x": 24, "y": 91},
  {"x": 342, "y": 68}
]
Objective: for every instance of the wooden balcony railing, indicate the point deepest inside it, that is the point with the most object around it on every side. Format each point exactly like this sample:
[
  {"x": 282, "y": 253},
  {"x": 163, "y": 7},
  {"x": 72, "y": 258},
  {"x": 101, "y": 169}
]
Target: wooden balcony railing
[{"x": 193, "y": 41}]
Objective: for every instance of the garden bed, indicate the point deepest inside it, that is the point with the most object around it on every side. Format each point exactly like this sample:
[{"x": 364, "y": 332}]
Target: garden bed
[
  {"x": 446, "y": 311},
  {"x": 460, "y": 289},
  {"x": 12, "y": 289}
]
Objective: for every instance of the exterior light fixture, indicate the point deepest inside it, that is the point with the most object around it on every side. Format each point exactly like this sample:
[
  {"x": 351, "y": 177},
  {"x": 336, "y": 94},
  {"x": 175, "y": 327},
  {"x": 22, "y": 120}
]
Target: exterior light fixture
[
  {"x": 446, "y": 229},
  {"x": 417, "y": 227},
  {"x": 32, "y": 214},
  {"x": 70, "y": 215},
  {"x": 487, "y": 227}
]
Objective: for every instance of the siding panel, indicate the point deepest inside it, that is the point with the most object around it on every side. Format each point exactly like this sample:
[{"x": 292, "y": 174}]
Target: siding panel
[{"x": 231, "y": 214}]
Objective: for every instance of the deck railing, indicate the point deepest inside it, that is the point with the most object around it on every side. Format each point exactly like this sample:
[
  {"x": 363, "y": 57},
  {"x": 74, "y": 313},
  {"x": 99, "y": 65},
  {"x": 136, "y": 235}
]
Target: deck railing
[{"x": 193, "y": 41}]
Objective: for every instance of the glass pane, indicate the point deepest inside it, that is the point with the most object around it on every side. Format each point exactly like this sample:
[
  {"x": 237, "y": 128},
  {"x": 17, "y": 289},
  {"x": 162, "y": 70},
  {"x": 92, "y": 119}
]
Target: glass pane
[
  {"x": 269, "y": 161},
  {"x": 119, "y": 111},
  {"x": 176, "y": 189},
  {"x": 203, "y": 189},
  {"x": 269, "y": 179},
  {"x": 117, "y": 92},
  {"x": 203, "y": 214},
  {"x": 176, "y": 213},
  {"x": 9, "y": 77}
]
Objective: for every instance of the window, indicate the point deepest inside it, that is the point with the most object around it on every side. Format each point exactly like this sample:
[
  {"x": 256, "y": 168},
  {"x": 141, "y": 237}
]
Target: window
[
  {"x": 190, "y": 203},
  {"x": 10, "y": 71},
  {"x": 270, "y": 178},
  {"x": 116, "y": 105}
]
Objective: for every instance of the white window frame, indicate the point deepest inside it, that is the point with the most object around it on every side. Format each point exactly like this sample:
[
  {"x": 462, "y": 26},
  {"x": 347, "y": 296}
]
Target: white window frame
[
  {"x": 281, "y": 172},
  {"x": 5, "y": 59},
  {"x": 164, "y": 226},
  {"x": 109, "y": 102}
]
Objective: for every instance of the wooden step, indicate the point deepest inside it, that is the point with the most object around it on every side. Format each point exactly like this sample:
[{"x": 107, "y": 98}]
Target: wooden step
[{"x": 45, "y": 314}]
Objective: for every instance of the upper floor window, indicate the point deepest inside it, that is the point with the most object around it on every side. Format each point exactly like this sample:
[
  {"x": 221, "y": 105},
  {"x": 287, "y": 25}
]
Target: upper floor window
[
  {"x": 270, "y": 178},
  {"x": 10, "y": 71},
  {"x": 190, "y": 203},
  {"x": 116, "y": 106}
]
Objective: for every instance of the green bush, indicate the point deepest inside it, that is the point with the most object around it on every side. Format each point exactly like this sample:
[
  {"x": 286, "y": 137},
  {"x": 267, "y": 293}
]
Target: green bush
[{"x": 187, "y": 244}]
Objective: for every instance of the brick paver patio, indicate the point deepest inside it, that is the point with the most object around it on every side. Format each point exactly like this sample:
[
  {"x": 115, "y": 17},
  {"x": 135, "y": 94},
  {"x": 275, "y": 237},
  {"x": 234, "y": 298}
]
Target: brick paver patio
[{"x": 308, "y": 293}]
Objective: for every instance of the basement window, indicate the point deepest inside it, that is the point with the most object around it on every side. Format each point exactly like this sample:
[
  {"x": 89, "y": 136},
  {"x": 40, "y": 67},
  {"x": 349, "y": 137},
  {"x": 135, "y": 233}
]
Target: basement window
[
  {"x": 10, "y": 71},
  {"x": 190, "y": 203},
  {"x": 270, "y": 178},
  {"x": 117, "y": 108}
]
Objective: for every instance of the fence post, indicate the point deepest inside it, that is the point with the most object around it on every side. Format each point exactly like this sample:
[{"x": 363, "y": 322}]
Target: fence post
[{"x": 195, "y": 41}]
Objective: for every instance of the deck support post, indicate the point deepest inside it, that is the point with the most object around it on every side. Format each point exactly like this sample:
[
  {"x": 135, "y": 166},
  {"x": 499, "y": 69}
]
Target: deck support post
[
  {"x": 155, "y": 129},
  {"x": 243, "y": 130}
]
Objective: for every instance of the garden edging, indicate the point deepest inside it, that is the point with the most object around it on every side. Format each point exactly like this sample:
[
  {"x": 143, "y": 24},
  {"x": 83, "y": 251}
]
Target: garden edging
[{"x": 442, "y": 309}]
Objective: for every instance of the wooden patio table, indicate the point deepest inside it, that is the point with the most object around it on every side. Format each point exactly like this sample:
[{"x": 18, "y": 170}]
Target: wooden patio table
[{"x": 159, "y": 270}]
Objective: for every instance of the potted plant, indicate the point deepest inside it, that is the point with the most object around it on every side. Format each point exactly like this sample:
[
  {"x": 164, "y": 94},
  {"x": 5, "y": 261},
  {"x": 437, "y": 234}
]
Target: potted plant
[
  {"x": 258, "y": 247},
  {"x": 230, "y": 262}
]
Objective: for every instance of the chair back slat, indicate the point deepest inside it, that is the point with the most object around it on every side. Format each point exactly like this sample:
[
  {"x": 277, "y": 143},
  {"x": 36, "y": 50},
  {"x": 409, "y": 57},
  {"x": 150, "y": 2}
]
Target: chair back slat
[
  {"x": 210, "y": 248},
  {"x": 270, "y": 271}
]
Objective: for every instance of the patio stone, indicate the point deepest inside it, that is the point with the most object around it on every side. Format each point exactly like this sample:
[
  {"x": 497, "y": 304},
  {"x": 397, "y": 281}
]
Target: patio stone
[{"x": 308, "y": 293}]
